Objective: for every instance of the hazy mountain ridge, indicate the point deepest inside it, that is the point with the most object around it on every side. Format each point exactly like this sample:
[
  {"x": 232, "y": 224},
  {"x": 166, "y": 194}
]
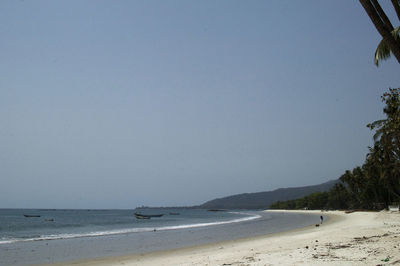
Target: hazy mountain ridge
[{"x": 262, "y": 200}]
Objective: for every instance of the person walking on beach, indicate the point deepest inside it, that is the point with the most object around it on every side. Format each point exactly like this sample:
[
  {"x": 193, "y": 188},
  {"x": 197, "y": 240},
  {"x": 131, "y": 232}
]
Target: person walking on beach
[{"x": 322, "y": 218}]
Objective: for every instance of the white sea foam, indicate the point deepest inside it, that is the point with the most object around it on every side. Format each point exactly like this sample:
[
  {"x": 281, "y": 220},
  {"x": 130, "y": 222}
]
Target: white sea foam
[
  {"x": 185, "y": 226},
  {"x": 130, "y": 230}
]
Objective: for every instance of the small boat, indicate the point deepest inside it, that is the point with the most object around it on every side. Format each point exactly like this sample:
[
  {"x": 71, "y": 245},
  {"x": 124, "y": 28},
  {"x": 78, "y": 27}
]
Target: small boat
[
  {"x": 147, "y": 216},
  {"x": 174, "y": 213},
  {"x": 49, "y": 220},
  {"x": 139, "y": 216},
  {"x": 216, "y": 210},
  {"x": 31, "y": 216}
]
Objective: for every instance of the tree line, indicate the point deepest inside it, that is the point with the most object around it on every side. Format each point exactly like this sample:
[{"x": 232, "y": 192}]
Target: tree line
[{"x": 376, "y": 183}]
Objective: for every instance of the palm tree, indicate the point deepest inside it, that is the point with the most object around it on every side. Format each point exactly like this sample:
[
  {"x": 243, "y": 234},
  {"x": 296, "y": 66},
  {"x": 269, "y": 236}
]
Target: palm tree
[
  {"x": 390, "y": 35},
  {"x": 386, "y": 152}
]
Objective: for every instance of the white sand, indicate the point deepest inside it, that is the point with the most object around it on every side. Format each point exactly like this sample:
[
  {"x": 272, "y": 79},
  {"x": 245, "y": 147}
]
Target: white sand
[{"x": 359, "y": 238}]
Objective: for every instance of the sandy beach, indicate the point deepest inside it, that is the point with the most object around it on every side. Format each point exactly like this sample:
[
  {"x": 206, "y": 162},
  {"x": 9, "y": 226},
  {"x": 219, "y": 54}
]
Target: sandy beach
[{"x": 358, "y": 238}]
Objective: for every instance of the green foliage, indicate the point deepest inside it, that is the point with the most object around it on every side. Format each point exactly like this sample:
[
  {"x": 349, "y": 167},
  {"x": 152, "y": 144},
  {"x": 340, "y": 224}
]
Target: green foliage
[
  {"x": 377, "y": 182},
  {"x": 336, "y": 198},
  {"x": 384, "y": 157}
]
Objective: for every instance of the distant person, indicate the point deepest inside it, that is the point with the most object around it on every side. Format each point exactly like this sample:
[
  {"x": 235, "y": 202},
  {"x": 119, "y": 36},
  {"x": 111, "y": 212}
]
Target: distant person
[{"x": 322, "y": 218}]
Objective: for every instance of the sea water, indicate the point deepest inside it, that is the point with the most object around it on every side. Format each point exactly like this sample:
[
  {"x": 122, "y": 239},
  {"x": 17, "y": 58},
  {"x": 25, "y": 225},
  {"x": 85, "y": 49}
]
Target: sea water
[{"x": 65, "y": 235}]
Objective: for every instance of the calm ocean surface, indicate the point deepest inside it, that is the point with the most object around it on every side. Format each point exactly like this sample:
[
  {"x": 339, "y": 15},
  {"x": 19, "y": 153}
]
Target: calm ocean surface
[{"x": 64, "y": 235}]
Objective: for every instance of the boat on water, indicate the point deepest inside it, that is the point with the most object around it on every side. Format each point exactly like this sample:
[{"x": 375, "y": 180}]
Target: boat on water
[
  {"x": 30, "y": 216},
  {"x": 147, "y": 216},
  {"x": 174, "y": 213},
  {"x": 139, "y": 216}
]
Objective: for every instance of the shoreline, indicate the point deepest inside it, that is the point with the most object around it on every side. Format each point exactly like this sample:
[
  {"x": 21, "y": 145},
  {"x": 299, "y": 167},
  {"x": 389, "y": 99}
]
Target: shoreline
[
  {"x": 162, "y": 257},
  {"x": 357, "y": 238},
  {"x": 179, "y": 255}
]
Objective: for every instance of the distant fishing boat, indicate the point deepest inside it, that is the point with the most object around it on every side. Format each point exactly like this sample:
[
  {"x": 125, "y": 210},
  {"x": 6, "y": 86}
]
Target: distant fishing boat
[
  {"x": 174, "y": 213},
  {"x": 30, "y": 216},
  {"x": 139, "y": 216},
  {"x": 147, "y": 216}
]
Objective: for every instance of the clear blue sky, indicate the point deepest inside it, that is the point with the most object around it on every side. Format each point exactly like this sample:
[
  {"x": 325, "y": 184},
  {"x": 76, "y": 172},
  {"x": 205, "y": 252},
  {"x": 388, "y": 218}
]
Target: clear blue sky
[{"x": 116, "y": 104}]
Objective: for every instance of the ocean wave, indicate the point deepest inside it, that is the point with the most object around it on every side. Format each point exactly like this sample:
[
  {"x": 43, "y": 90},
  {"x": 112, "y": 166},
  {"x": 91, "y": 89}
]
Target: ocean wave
[
  {"x": 186, "y": 226},
  {"x": 249, "y": 217}
]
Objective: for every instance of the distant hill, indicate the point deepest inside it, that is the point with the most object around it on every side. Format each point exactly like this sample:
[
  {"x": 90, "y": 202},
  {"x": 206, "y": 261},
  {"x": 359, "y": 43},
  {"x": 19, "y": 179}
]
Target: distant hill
[{"x": 262, "y": 200}]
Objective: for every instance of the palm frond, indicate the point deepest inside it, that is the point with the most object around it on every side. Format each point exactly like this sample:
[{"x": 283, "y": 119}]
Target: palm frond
[
  {"x": 382, "y": 52},
  {"x": 377, "y": 136},
  {"x": 396, "y": 33},
  {"x": 375, "y": 124}
]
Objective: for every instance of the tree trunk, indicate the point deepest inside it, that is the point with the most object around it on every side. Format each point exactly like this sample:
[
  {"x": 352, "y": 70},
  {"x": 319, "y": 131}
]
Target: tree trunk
[
  {"x": 382, "y": 14},
  {"x": 396, "y": 5},
  {"x": 382, "y": 29}
]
